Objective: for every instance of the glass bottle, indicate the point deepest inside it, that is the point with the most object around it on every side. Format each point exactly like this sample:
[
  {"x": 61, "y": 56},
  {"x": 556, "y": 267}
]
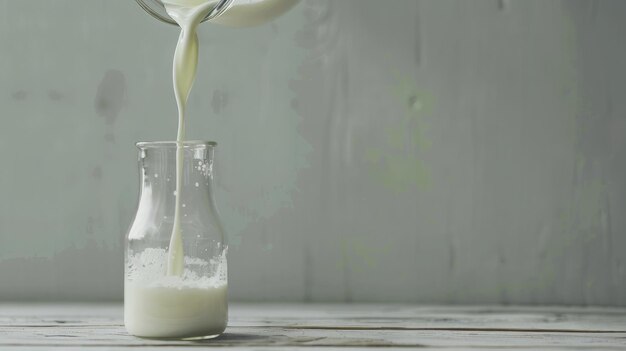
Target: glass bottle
[
  {"x": 188, "y": 305},
  {"x": 233, "y": 13}
]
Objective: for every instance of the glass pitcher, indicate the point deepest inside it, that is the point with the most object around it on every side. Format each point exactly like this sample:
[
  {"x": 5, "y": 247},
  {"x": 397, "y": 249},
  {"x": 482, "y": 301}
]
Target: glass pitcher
[
  {"x": 192, "y": 304},
  {"x": 233, "y": 13}
]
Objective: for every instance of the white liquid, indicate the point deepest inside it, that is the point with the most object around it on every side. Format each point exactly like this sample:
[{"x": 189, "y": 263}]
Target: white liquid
[
  {"x": 244, "y": 13},
  {"x": 193, "y": 304},
  {"x": 178, "y": 304},
  {"x": 181, "y": 303},
  {"x": 172, "y": 312},
  {"x": 188, "y": 14}
]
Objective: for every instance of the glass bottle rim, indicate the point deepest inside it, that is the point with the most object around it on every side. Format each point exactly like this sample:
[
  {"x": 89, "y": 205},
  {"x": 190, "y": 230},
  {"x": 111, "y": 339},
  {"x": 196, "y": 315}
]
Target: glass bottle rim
[
  {"x": 217, "y": 11},
  {"x": 173, "y": 144}
]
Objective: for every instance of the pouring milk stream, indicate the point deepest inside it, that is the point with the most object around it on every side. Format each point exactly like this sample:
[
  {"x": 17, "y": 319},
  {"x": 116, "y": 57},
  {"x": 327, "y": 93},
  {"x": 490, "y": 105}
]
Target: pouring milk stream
[
  {"x": 188, "y": 14},
  {"x": 171, "y": 305}
]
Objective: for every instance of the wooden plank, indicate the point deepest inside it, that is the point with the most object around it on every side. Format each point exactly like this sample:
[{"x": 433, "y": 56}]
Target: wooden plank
[
  {"x": 261, "y": 348},
  {"x": 350, "y": 316},
  {"x": 346, "y": 326},
  {"x": 281, "y": 337},
  {"x": 433, "y": 317}
]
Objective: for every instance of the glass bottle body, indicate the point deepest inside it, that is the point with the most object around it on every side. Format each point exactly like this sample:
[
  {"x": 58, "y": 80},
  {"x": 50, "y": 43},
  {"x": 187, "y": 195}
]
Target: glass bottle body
[{"x": 193, "y": 303}]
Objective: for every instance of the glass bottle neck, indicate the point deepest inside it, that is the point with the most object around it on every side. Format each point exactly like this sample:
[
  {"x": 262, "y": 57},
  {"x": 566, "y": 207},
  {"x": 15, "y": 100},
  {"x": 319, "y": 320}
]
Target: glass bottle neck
[{"x": 158, "y": 171}]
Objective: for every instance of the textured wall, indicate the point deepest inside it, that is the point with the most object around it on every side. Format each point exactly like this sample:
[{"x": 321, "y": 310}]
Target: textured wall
[{"x": 424, "y": 151}]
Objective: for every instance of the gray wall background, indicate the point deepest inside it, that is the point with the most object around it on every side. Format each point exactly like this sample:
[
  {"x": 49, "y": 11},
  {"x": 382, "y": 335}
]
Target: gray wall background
[{"x": 440, "y": 151}]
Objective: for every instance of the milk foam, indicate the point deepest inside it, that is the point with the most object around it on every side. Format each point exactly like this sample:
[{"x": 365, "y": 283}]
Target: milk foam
[{"x": 163, "y": 306}]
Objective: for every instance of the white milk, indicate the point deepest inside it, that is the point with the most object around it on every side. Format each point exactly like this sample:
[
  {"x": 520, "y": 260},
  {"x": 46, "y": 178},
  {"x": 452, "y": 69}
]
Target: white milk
[
  {"x": 188, "y": 14},
  {"x": 172, "y": 312},
  {"x": 163, "y": 296},
  {"x": 161, "y": 306},
  {"x": 244, "y": 13}
]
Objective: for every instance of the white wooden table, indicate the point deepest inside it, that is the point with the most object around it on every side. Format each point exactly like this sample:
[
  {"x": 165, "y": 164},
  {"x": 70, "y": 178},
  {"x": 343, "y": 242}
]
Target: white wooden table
[{"x": 328, "y": 327}]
